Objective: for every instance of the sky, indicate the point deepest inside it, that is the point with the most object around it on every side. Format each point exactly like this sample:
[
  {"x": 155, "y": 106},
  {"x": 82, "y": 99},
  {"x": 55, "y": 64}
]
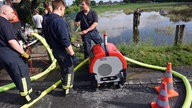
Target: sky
[{"x": 69, "y": 2}]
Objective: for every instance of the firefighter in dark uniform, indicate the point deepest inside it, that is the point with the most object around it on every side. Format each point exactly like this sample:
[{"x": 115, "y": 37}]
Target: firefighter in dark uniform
[
  {"x": 57, "y": 36},
  {"x": 12, "y": 56},
  {"x": 49, "y": 9},
  {"x": 87, "y": 19}
]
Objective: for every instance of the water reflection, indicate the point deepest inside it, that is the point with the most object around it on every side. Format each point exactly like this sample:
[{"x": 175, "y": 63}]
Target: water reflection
[
  {"x": 136, "y": 35},
  {"x": 153, "y": 28}
]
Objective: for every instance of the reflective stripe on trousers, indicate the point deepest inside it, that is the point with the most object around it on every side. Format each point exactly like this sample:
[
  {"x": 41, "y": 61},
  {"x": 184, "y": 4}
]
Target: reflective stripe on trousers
[
  {"x": 68, "y": 86},
  {"x": 25, "y": 92}
]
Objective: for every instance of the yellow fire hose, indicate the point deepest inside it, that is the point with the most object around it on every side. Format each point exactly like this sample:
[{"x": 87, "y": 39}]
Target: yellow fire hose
[
  {"x": 187, "y": 102},
  {"x": 188, "y": 98},
  {"x": 45, "y": 92},
  {"x": 35, "y": 77}
]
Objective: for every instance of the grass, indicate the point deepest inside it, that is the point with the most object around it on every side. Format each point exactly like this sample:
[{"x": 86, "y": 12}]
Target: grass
[
  {"x": 178, "y": 55},
  {"x": 166, "y": 30},
  {"x": 130, "y": 7},
  {"x": 160, "y": 56},
  {"x": 145, "y": 52},
  {"x": 177, "y": 10}
]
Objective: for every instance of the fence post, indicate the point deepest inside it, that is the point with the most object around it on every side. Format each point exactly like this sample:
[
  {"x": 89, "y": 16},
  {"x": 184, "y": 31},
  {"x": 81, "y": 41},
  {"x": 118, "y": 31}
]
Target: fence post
[
  {"x": 136, "y": 36},
  {"x": 136, "y": 18},
  {"x": 179, "y": 34}
]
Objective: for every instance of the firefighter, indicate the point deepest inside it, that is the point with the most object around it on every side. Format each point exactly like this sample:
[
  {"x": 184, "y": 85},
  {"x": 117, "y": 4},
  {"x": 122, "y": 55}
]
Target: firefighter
[
  {"x": 12, "y": 56},
  {"x": 57, "y": 36},
  {"x": 48, "y": 9},
  {"x": 87, "y": 19}
]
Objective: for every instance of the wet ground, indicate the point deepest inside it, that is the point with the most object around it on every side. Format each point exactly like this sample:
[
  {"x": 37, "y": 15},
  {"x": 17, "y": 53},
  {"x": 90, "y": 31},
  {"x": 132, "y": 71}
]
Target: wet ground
[{"x": 137, "y": 92}]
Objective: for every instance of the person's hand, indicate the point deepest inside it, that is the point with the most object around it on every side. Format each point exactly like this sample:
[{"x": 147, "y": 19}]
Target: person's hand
[
  {"x": 83, "y": 32},
  {"x": 75, "y": 59},
  {"x": 26, "y": 57}
]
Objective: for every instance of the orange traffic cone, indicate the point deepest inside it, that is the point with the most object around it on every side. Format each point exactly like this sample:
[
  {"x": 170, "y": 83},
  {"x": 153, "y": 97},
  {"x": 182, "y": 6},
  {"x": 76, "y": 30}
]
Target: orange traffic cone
[
  {"x": 162, "y": 101},
  {"x": 169, "y": 80}
]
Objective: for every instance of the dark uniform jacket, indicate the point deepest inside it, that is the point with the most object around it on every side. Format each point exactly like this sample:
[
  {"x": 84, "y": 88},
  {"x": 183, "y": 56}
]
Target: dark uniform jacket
[
  {"x": 86, "y": 20},
  {"x": 6, "y": 34},
  {"x": 55, "y": 34}
]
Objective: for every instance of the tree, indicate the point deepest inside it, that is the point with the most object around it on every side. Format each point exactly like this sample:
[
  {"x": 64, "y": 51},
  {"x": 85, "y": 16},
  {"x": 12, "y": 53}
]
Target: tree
[
  {"x": 110, "y": 2},
  {"x": 76, "y": 2},
  {"x": 93, "y": 3},
  {"x": 24, "y": 11},
  {"x": 26, "y": 7},
  {"x": 101, "y": 2},
  {"x": 72, "y": 9},
  {"x": 126, "y": 1}
]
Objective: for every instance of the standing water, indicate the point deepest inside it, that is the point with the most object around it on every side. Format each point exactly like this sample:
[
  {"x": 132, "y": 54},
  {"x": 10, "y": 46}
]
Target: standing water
[{"x": 153, "y": 28}]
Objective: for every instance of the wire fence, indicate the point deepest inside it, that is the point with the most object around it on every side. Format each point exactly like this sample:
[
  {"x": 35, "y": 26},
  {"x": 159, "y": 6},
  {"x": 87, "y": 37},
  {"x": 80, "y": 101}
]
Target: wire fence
[{"x": 70, "y": 18}]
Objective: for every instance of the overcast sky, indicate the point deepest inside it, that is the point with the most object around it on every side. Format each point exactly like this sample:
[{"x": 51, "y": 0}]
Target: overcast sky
[{"x": 69, "y": 2}]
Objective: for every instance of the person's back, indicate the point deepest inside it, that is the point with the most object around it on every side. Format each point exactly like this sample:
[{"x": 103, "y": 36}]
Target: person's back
[
  {"x": 48, "y": 11},
  {"x": 37, "y": 19},
  {"x": 55, "y": 31},
  {"x": 57, "y": 36}
]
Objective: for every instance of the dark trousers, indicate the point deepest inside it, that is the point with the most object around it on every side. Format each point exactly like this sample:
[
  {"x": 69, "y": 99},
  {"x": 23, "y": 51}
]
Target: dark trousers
[
  {"x": 66, "y": 65},
  {"x": 86, "y": 38},
  {"x": 40, "y": 31},
  {"x": 17, "y": 69}
]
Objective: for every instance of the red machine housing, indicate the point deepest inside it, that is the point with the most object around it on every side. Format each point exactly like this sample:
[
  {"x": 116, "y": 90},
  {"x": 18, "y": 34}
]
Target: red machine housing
[
  {"x": 107, "y": 64},
  {"x": 98, "y": 52}
]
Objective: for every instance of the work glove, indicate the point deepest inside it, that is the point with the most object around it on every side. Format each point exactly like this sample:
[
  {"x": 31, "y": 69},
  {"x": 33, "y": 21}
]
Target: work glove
[
  {"x": 26, "y": 57},
  {"x": 75, "y": 59}
]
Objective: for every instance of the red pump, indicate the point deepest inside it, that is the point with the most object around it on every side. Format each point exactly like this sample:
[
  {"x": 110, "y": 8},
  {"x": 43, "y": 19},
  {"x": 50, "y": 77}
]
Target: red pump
[{"x": 107, "y": 64}]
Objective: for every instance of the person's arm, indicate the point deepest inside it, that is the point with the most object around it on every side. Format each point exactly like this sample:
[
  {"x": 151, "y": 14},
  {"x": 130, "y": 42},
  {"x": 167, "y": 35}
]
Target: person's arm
[
  {"x": 70, "y": 51},
  {"x": 41, "y": 19},
  {"x": 15, "y": 45},
  {"x": 63, "y": 35},
  {"x": 78, "y": 19},
  {"x": 93, "y": 26}
]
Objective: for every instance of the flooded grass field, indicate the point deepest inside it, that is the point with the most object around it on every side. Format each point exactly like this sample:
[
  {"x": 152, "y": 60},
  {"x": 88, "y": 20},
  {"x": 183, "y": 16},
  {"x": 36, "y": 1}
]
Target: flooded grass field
[{"x": 155, "y": 27}]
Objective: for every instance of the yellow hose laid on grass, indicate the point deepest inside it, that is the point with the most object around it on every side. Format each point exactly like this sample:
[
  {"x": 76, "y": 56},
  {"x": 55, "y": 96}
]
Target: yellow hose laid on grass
[
  {"x": 188, "y": 98},
  {"x": 45, "y": 92},
  {"x": 35, "y": 77},
  {"x": 187, "y": 102}
]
